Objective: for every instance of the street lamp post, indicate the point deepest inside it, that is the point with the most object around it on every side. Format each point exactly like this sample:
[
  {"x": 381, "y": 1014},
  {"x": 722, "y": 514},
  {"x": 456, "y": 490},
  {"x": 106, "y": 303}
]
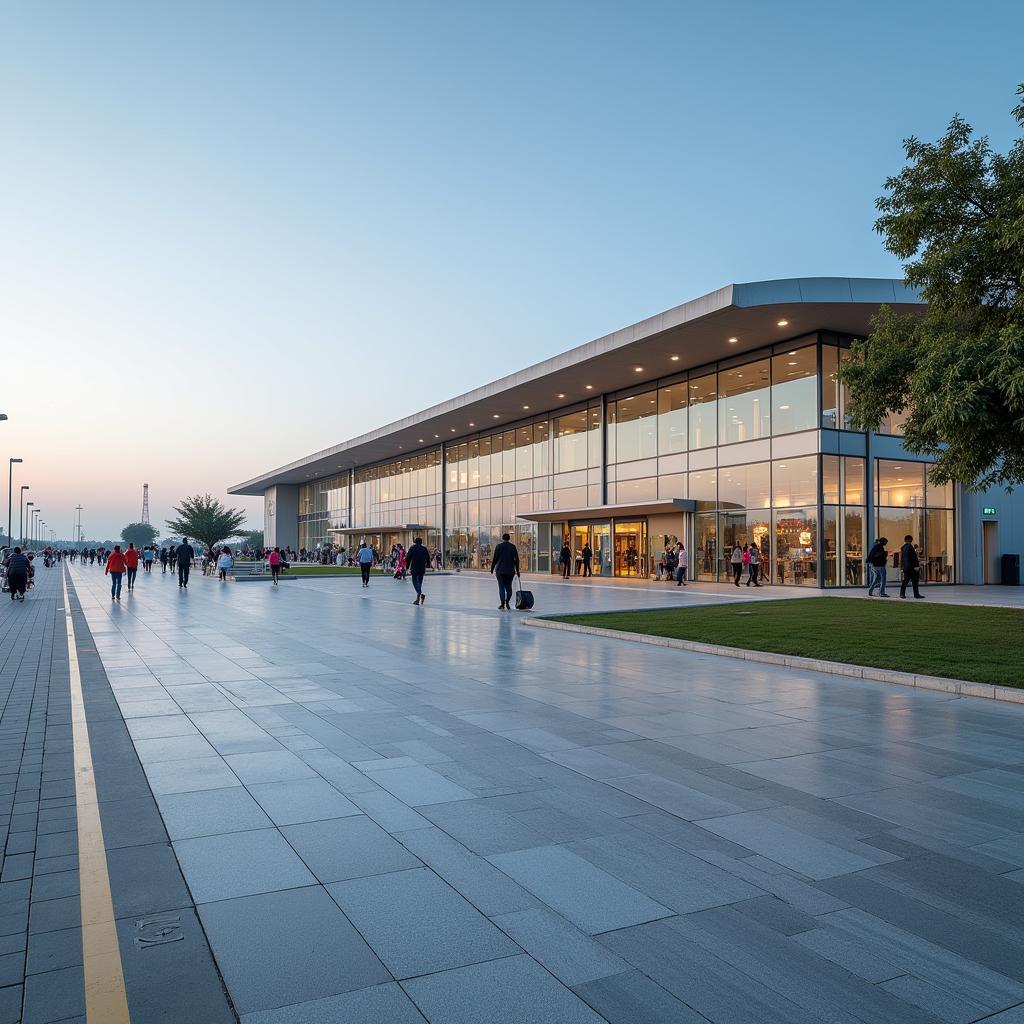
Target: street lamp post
[
  {"x": 78, "y": 541},
  {"x": 24, "y": 522},
  {"x": 32, "y": 532},
  {"x": 10, "y": 500}
]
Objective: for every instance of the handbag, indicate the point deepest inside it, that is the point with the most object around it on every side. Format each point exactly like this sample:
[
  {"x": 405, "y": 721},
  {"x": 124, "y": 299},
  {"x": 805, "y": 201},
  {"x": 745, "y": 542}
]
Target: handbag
[{"x": 524, "y": 598}]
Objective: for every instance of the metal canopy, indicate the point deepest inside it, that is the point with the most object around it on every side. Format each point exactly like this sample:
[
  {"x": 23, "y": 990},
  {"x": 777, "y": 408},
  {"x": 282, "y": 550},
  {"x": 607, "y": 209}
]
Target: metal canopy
[{"x": 637, "y": 508}]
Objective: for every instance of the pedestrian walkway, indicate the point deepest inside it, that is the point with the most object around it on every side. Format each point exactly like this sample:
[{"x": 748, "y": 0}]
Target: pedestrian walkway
[{"x": 387, "y": 814}]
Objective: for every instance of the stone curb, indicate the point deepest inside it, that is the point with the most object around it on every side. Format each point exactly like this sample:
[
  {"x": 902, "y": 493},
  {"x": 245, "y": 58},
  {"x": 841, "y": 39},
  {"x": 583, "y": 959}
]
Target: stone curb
[{"x": 961, "y": 687}]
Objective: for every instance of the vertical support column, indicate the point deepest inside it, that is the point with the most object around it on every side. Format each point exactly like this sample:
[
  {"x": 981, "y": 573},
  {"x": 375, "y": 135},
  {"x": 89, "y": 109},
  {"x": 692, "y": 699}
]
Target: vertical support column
[
  {"x": 604, "y": 449},
  {"x": 444, "y": 502}
]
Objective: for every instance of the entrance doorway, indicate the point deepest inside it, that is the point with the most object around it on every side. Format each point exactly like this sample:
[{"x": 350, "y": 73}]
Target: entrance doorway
[
  {"x": 990, "y": 551},
  {"x": 630, "y": 549},
  {"x": 596, "y": 536}
]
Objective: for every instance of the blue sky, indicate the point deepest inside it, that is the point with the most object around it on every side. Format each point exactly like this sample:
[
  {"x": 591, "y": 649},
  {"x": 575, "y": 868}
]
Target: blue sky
[{"x": 335, "y": 214}]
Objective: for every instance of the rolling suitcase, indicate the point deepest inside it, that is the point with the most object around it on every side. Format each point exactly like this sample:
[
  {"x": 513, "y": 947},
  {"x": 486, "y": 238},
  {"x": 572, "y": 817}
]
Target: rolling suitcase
[{"x": 524, "y": 599}]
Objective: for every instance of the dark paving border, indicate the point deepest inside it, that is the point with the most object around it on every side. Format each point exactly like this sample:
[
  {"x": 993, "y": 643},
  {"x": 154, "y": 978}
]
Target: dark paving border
[{"x": 170, "y": 974}]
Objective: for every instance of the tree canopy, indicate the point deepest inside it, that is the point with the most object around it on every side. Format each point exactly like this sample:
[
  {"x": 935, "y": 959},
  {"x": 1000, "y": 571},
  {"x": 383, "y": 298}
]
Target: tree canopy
[
  {"x": 252, "y": 538},
  {"x": 205, "y": 519},
  {"x": 955, "y": 215},
  {"x": 139, "y": 534}
]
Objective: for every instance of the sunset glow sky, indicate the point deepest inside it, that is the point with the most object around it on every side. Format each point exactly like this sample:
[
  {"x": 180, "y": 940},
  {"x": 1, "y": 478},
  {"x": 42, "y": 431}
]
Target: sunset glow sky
[{"x": 235, "y": 233}]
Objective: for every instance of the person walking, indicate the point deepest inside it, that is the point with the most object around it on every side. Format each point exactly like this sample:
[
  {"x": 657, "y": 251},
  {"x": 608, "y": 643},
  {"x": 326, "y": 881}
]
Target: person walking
[
  {"x": 754, "y": 566},
  {"x": 910, "y": 568},
  {"x": 274, "y": 560},
  {"x": 148, "y": 554},
  {"x": 18, "y": 567},
  {"x": 163, "y": 561},
  {"x": 877, "y": 564},
  {"x": 682, "y": 564},
  {"x": 131, "y": 562},
  {"x": 365, "y": 560},
  {"x": 736, "y": 561},
  {"x": 224, "y": 563},
  {"x": 565, "y": 560},
  {"x": 505, "y": 566},
  {"x": 116, "y": 565},
  {"x": 184, "y": 554},
  {"x": 417, "y": 559},
  {"x": 588, "y": 559}
]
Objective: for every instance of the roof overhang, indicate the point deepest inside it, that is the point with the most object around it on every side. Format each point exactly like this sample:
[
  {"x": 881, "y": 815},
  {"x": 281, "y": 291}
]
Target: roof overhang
[
  {"x": 637, "y": 508},
  {"x": 686, "y": 336}
]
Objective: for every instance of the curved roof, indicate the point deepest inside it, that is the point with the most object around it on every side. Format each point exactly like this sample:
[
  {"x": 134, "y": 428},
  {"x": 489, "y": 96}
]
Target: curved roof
[{"x": 697, "y": 332}]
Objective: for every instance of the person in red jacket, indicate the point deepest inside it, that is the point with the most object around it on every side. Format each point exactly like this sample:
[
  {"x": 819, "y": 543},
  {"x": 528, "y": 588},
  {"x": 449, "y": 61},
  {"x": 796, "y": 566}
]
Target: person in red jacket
[
  {"x": 131, "y": 562},
  {"x": 115, "y": 567}
]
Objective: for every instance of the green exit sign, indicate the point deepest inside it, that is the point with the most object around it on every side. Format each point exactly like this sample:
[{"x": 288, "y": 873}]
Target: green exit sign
[{"x": 988, "y": 510}]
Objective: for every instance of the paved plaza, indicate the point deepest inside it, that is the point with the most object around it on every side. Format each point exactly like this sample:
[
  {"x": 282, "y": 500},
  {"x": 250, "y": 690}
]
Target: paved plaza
[{"x": 321, "y": 804}]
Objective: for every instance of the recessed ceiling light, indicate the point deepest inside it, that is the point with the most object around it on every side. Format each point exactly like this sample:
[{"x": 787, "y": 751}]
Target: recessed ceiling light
[
  {"x": 783, "y": 323},
  {"x": 784, "y": 408},
  {"x": 559, "y": 396},
  {"x": 437, "y": 435},
  {"x": 420, "y": 439},
  {"x": 638, "y": 369},
  {"x": 472, "y": 424},
  {"x": 791, "y": 353},
  {"x": 792, "y": 362},
  {"x": 526, "y": 407},
  {"x": 732, "y": 341},
  {"x": 675, "y": 359},
  {"x": 496, "y": 417},
  {"x": 590, "y": 387},
  {"x": 452, "y": 429}
]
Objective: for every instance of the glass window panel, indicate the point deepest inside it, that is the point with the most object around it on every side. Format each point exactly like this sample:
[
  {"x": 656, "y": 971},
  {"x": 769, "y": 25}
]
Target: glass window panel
[
  {"x": 540, "y": 449},
  {"x": 894, "y": 524},
  {"x": 636, "y": 490},
  {"x": 508, "y": 456},
  {"x": 485, "y": 461},
  {"x": 704, "y": 488},
  {"x": 672, "y": 403},
  {"x": 744, "y": 486},
  {"x": 830, "y": 546},
  {"x": 496, "y": 459},
  {"x": 795, "y": 481},
  {"x": 795, "y": 390},
  {"x": 900, "y": 483},
  {"x": 796, "y": 546},
  {"x": 594, "y": 435},
  {"x": 571, "y": 441},
  {"x": 524, "y": 452},
  {"x": 702, "y": 411},
  {"x": 830, "y": 479},
  {"x": 672, "y": 485},
  {"x": 853, "y": 551},
  {"x": 830, "y": 418},
  {"x": 744, "y": 403},
  {"x": 853, "y": 480},
  {"x": 938, "y": 563},
  {"x": 634, "y": 423},
  {"x": 705, "y": 546},
  {"x": 893, "y": 423},
  {"x": 939, "y": 495}
]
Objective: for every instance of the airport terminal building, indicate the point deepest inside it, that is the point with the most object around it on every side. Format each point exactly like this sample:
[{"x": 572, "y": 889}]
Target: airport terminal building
[{"x": 716, "y": 422}]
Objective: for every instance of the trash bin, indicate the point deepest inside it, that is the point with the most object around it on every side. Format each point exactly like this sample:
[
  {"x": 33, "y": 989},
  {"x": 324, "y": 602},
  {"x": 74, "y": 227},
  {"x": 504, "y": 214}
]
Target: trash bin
[{"x": 1010, "y": 565}]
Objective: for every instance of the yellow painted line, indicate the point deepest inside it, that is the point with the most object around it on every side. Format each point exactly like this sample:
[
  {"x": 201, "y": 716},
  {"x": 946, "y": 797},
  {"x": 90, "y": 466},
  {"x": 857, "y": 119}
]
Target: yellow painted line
[{"x": 105, "y": 999}]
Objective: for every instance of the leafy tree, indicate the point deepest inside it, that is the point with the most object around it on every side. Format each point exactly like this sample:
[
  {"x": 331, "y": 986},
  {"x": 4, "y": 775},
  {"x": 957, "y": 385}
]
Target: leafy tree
[
  {"x": 206, "y": 519},
  {"x": 252, "y": 538},
  {"x": 955, "y": 214},
  {"x": 139, "y": 534}
]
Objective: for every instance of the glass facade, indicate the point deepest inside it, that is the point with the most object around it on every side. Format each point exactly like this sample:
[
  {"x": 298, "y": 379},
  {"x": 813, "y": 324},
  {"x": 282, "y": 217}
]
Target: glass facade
[{"x": 714, "y": 435}]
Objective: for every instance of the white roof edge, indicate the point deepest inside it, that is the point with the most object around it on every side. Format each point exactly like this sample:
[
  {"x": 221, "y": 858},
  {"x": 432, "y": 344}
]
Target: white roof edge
[{"x": 754, "y": 293}]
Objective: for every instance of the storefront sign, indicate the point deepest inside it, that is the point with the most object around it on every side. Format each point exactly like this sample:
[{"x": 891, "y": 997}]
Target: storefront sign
[{"x": 988, "y": 510}]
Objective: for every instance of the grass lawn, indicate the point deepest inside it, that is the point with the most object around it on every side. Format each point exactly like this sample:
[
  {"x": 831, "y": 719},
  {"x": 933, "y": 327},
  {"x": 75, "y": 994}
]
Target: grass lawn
[{"x": 955, "y": 641}]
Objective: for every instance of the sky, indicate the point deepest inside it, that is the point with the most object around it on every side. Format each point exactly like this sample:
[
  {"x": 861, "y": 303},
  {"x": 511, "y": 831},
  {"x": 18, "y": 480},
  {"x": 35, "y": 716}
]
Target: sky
[{"x": 235, "y": 233}]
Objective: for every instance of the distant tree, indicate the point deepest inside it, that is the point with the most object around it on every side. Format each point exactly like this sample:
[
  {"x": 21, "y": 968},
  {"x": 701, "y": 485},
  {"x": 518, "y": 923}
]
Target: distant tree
[
  {"x": 252, "y": 538},
  {"x": 139, "y": 534},
  {"x": 956, "y": 214},
  {"x": 205, "y": 519}
]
